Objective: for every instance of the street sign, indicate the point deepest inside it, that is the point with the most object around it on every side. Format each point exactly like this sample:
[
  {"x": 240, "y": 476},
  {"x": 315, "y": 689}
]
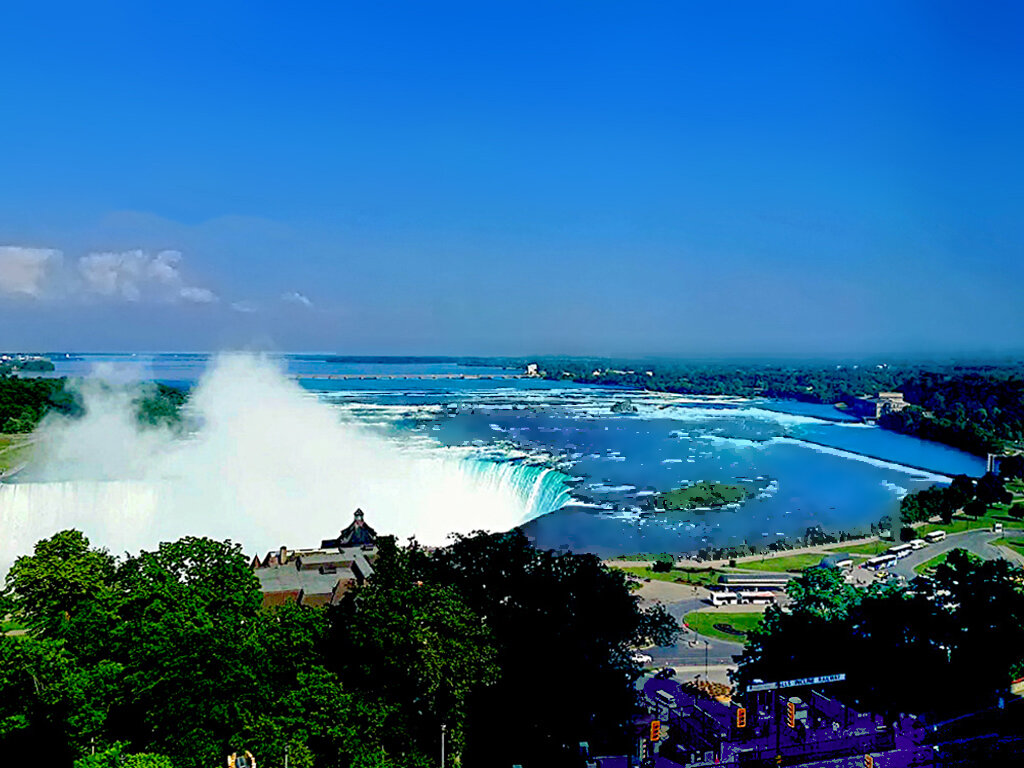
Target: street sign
[{"x": 799, "y": 682}]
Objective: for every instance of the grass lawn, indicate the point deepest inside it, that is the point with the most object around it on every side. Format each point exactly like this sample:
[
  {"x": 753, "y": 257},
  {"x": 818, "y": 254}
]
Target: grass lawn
[
  {"x": 643, "y": 557},
  {"x": 676, "y": 575},
  {"x": 14, "y": 450},
  {"x": 792, "y": 563},
  {"x": 704, "y": 622},
  {"x": 996, "y": 514},
  {"x": 935, "y": 562},
  {"x": 871, "y": 548},
  {"x": 1017, "y": 543},
  {"x": 8, "y": 625}
]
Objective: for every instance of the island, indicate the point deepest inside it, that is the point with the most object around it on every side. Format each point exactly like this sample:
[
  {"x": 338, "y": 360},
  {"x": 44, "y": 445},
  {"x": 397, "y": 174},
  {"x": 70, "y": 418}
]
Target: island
[{"x": 702, "y": 495}]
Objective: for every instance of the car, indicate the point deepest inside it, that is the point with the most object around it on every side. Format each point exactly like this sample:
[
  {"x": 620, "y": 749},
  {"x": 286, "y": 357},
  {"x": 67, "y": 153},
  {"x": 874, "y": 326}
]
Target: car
[
  {"x": 665, "y": 673},
  {"x": 641, "y": 658}
]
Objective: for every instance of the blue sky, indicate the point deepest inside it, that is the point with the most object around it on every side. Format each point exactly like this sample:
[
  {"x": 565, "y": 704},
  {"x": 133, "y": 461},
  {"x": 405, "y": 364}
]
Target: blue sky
[{"x": 513, "y": 178}]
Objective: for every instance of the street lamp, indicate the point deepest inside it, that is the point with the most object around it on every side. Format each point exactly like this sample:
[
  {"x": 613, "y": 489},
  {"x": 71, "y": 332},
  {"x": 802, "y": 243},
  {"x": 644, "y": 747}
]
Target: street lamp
[
  {"x": 444, "y": 728},
  {"x": 707, "y": 645}
]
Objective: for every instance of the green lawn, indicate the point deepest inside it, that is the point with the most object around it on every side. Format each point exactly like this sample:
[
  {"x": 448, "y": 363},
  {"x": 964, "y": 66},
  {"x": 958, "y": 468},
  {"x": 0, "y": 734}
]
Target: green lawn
[
  {"x": 792, "y": 563},
  {"x": 14, "y": 450},
  {"x": 935, "y": 562},
  {"x": 677, "y": 575},
  {"x": 1016, "y": 542},
  {"x": 8, "y": 625},
  {"x": 870, "y": 548},
  {"x": 704, "y": 622}
]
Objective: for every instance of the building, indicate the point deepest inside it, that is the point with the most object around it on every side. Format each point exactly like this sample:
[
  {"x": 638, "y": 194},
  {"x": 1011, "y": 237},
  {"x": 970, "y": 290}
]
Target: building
[
  {"x": 873, "y": 408},
  {"x": 318, "y": 577}
]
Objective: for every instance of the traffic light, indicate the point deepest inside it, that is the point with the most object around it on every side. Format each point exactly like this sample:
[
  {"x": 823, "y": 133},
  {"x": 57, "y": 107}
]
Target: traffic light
[
  {"x": 741, "y": 717},
  {"x": 655, "y": 730},
  {"x": 791, "y": 714},
  {"x": 869, "y": 761}
]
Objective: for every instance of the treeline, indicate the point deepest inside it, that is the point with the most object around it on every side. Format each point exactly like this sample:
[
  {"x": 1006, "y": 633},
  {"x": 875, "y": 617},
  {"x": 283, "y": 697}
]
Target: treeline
[
  {"x": 977, "y": 412},
  {"x": 519, "y": 653},
  {"x": 978, "y": 408},
  {"x": 25, "y": 401},
  {"x": 973, "y": 496},
  {"x": 948, "y": 645}
]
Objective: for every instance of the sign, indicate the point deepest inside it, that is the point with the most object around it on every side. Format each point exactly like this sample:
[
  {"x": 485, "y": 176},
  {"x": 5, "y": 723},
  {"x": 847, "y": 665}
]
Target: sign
[
  {"x": 741, "y": 717},
  {"x": 799, "y": 682},
  {"x": 791, "y": 714}
]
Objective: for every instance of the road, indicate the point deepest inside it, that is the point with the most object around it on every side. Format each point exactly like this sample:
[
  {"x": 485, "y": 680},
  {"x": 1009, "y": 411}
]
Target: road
[
  {"x": 685, "y": 654},
  {"x": 976, "y": 542}
]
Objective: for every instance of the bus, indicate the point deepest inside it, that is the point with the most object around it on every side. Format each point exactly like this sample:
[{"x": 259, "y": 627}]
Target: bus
[
  {"x": 918, "y": 544},
  {"x": 757, "y": 598},
  {"x": 882, "y": 561},
  {"x": 900, "y": 550},
  {"x": 724, "y": 598},
  {"x": 934, "y": 536}
]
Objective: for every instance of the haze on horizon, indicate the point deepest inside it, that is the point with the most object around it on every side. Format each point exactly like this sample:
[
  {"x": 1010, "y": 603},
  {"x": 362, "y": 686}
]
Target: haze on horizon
[{"x": 459, "y": 178}]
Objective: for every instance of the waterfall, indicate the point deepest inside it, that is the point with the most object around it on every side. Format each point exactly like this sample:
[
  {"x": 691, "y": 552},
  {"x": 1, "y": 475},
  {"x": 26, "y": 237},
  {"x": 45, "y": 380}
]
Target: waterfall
[{"x": 430, "y": 498}]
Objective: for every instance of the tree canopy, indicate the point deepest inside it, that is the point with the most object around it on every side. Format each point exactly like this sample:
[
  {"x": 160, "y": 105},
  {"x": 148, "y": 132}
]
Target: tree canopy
[
  {"x": 903, "y": 650},
  {"x": 168, "y": 655}
]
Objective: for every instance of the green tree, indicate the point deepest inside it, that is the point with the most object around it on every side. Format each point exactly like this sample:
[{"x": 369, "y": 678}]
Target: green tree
[
  {"x": 63, "y": 583},
  {"x": 1012, "y": 467},
  {"x": 975, "y": 508},
  {"x": 416, "y": 646},
  {"x": 991, "y": 489},
  {"x": 554, "y": 616}
]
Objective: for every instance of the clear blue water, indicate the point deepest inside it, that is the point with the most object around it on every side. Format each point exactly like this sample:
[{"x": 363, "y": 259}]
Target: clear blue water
[{"x": 805, "y": 464}]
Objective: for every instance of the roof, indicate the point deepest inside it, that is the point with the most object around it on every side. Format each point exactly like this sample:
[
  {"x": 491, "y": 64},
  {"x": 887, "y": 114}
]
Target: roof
[
  {"x": 285, "y": 578},
  {"x": 338, "y": 559}
]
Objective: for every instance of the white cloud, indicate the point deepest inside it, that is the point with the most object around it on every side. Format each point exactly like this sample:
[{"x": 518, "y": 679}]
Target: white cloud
[
  {"x": 244, "y": 306},
  {"x": 294, "y": 297},
  {"x": 135, "y": 276},
  {"x": 25, "y": 271},
  {"x": 197, "y": 295}
]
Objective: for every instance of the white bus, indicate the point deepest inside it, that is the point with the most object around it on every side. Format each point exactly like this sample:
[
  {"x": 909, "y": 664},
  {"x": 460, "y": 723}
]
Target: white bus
[
  {"x": 724, "y": 598},
  {"x": 934, "y": 536},
  {"x": 757, "y": 598},
  {"x": 900, "y": 550},
  {"x": 882, "y": 561}
]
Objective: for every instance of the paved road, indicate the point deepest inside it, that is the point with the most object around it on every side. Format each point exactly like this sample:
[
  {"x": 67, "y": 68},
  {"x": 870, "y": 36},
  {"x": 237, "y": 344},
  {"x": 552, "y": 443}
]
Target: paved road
[
  {"x": 683, "y": 654},
  {"x": 976, "y": 542}
]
